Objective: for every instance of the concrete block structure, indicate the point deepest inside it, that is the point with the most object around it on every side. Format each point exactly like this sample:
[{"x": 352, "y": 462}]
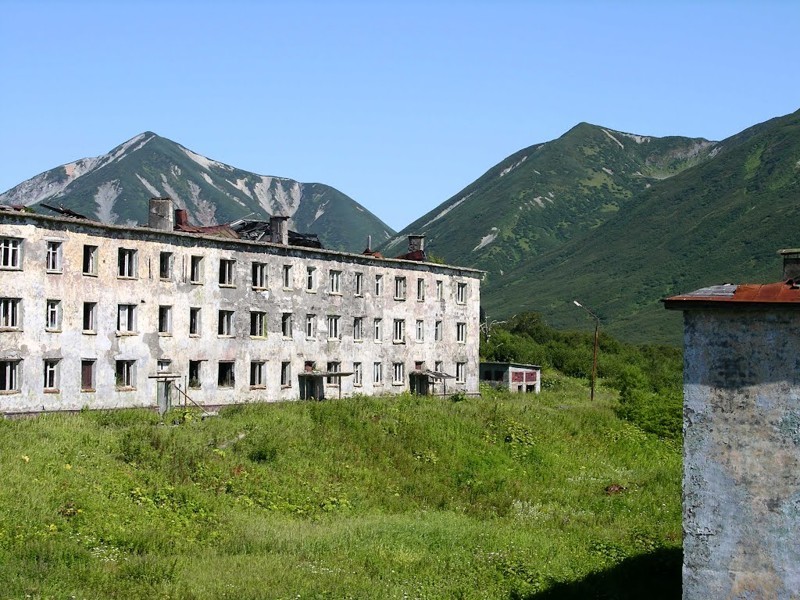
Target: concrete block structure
[
  {"x": 741, "y": 474},
  {"x": 515, "y": 377},
  {"x": 106, "y": 316}
]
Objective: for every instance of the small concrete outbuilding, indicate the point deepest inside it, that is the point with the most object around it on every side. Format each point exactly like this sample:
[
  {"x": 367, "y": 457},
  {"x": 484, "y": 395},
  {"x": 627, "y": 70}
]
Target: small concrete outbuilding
[
  {"x": 515, "y": 377},
  {"x": 741, "y": 449}
]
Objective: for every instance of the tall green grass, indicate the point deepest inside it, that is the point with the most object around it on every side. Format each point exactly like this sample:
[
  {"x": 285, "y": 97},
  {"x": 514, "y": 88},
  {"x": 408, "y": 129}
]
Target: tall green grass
[{"x": 408, "y": 497}]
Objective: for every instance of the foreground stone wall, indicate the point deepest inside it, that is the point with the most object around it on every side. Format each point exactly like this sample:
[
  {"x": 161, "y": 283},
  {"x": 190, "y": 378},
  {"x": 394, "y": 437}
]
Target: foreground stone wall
[{"x": 741, "y": 482}]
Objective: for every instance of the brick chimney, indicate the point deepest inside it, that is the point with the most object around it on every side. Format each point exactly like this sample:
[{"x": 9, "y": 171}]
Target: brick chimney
[
  {"x": 160, "y": 214},
  {"x": 279, "y": 230},
  {"x": 791, "y": 263},
  {"x": 181, "y": 218}
]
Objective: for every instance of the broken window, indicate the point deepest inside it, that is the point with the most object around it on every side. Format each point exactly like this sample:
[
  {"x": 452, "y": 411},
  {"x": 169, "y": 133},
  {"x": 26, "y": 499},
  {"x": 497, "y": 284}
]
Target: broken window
[
  {"x": 257, "y": 374},
  {"x": 258, "y": 324},
  {"x": 225, "y": 323},
  {"x": 194, "y": 320},
  {"x": 196, "y": 269},
  {"x": 90, "y": 260},
  {"x": 165, "y": 265},
  {"x": 225, "y": 374},
  {"x": 126, "y": 374},
  {"x": 259, "y": 280},
  {"x": 227, "y": 269},
  {"x": 126, "y": 263}
]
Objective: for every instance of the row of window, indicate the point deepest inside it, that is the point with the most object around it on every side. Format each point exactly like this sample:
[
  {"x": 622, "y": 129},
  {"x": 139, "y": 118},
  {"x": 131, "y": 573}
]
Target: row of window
[
  {"x": 10, "y": 319},
  {"x": 125, "y": 374},
  {"x": 128, "y": 268}
]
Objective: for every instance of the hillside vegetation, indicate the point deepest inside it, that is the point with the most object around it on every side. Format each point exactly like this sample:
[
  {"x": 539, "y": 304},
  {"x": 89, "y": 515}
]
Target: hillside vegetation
[{"x": 501, "y": 496}]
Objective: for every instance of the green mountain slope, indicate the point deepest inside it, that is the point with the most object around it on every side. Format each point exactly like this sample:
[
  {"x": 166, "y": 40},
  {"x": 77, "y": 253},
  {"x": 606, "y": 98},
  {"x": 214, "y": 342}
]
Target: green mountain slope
[
  {"x": 720, "y": 221},
  {"x": 543, "y": 196},
  {"x": 116, "y": 187}
]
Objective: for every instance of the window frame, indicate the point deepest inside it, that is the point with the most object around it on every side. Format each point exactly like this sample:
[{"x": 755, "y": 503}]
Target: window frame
[
  {"x": 127, "y": 263},
  {"x": 129, "y": 312},
  {"x": 258, "y": 324},
  {"x": 165, "y": 319},
  {"x": 258, "y": 379},
  {"x": 125, "y": 375},
  {"x": 53, "y": 315},
  {"x": 165, "y": 265},
  {"x": 399, "y": 331},
  {"x": 10, "y": 254},
  {"x": 91, "y": 363},
  {"x": 259, "y": 275},
  {"x": 51, "y": 372},
  {"x": 227, "y": 272},
  {"x": 287, "y": 325},
  {"x": 89, "y": 317},
  {"x": 196, "y": 269},
  {"x": 400, "y": 287},
  {"x": 54, "y": 256},
  {"x": 398, "y": 373},
  {"x": 89, "y": 263},
  {"x": 335, "y": 282},
  {"x": 226, "y": 374},
  {"x": 10, "y": 314},
  {"x": 10, "y": 375},
  {"x": 334, "y": 332},
  {"x": 195, "y": 321},
  {"x": 225, "y": 323}
]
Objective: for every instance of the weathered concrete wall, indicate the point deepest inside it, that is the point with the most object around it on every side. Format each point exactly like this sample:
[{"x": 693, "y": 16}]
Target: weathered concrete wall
[
  {"x": 32, "y": 343},
  {"x": 741, "y": 482}
]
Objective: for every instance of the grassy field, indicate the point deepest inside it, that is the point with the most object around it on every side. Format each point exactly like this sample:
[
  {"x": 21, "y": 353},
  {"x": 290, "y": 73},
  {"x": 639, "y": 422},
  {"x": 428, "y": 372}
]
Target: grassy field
[{"x": 543, "y": 496}]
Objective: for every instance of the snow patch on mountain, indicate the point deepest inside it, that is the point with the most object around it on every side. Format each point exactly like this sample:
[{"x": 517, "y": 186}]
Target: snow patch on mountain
[
  {"x": 608, "y": 171},
  {"x": 121, "y": 151},
  {"x": 448, "y": 209},
  {"x": 148, "y": 186},
  {"x": 241, "y": 185},
  {"x": 276, "y": 198},
  {"x": 612, "y": 137},
  {"x": 204, "y": 162},
  {"x": 106, "y": 196},
  {"x": 639, "y": 139},
  {"x": 514, "y": 166},
  {"x": 539, "y": 201},
  {"x": 320, "y": 211},
  {"x": 487, "y": 239}
]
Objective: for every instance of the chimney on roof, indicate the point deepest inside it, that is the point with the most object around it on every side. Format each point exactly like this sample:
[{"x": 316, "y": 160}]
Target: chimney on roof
[
  {"x": 416, "y": 243},
  {"x": 181, "y": 218},
  {"x": 160, "y": 215},
  {"x": 791, "y": 263},
  {"x": 279, "y": 230}
]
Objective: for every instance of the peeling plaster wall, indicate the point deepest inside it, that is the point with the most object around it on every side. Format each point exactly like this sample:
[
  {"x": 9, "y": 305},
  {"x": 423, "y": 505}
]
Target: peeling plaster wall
[
  {"x": 741, "y": 481},
  {"x": 31, "y": 343}
]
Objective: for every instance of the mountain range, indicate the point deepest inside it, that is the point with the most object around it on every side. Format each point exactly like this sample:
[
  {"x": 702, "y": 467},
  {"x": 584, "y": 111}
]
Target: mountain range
[
  {"x": 116, "y": 188},
  {"x": 619, "y": 221},
  {"x": 613, "y": 219}
]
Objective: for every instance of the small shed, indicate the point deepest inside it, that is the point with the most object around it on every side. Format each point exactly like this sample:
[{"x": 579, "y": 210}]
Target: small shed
[{"x": 515, "y": 377}]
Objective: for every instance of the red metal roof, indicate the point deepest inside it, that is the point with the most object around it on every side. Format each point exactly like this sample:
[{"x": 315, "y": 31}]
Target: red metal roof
[{"x": 786, "y": 292}]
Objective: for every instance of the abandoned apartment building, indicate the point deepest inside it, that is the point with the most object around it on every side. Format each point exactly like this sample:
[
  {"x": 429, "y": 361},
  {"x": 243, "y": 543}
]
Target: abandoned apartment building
[{"x": 106, "y": 316}]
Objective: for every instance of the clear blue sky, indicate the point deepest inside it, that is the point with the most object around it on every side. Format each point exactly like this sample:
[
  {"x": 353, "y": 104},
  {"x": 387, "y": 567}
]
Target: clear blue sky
[{"x": 397, "y": 104}]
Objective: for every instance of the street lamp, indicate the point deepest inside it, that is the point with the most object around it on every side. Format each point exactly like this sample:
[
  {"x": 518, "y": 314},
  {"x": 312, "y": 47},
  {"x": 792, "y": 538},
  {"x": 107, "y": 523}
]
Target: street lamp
[{"x": 596, "y": 333}]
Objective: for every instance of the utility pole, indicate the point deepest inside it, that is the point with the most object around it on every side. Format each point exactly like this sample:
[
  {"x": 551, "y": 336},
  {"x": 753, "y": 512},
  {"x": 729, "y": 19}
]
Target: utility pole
[{"x": 596, "y": 337}]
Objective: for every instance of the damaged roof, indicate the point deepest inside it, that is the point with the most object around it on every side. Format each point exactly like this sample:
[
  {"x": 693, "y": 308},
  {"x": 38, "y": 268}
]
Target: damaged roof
[{"x": 728, "y": 295}]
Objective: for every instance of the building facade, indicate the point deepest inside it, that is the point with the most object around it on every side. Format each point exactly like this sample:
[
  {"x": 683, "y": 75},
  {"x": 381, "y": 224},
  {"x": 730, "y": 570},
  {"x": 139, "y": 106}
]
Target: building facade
[
  {"x": 103, "y": 316},
  {"x": 741, "y": 455}
]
